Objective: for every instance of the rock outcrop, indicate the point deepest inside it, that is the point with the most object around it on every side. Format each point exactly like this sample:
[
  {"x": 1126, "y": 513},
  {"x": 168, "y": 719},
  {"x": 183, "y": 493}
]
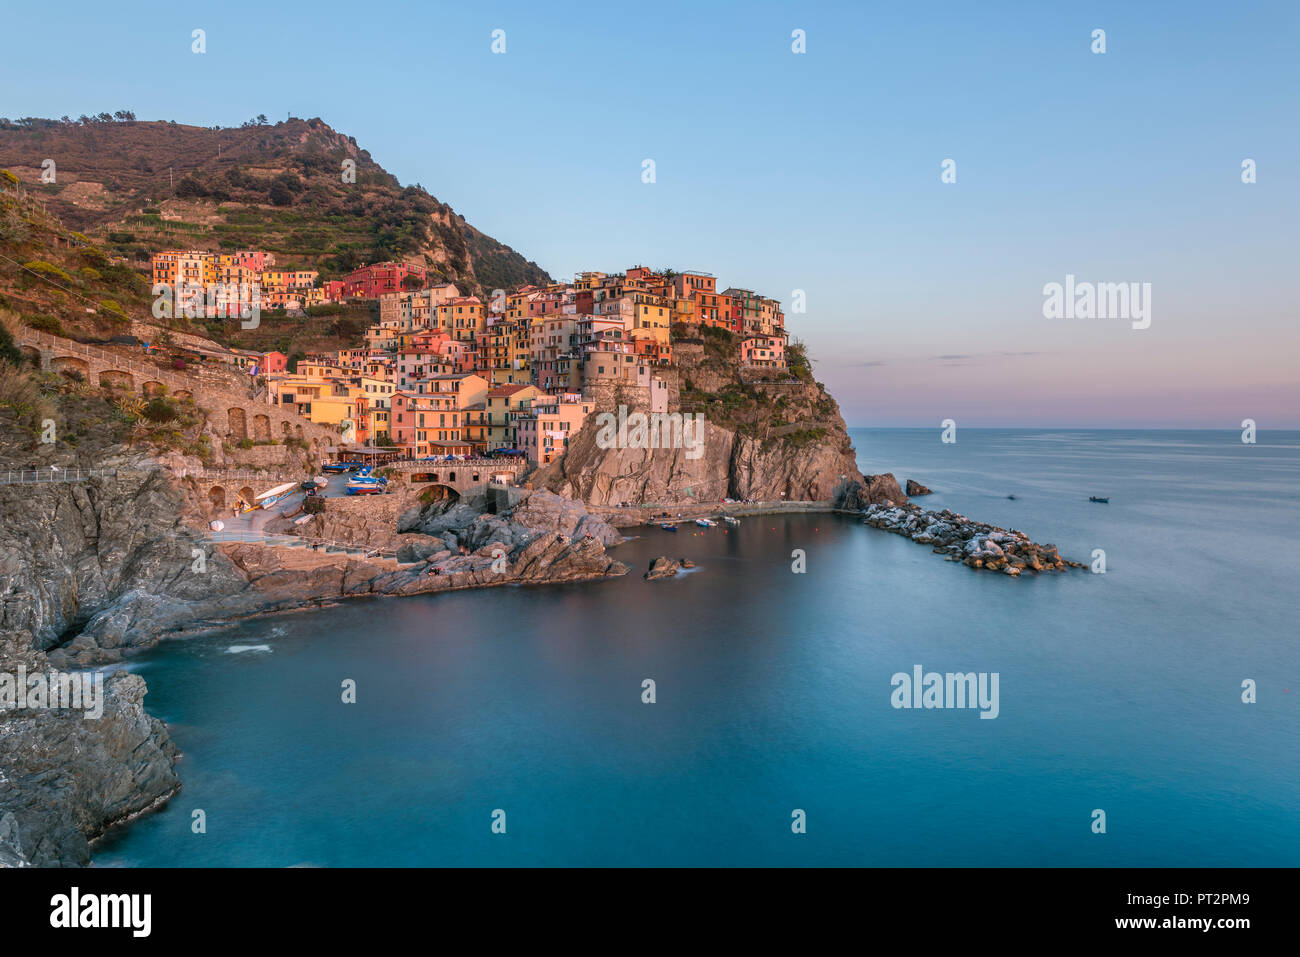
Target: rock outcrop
[
  {"x": 662, "y": 567},
  {"x": 916, "y": 488},
  {"x": 727, "y": 466},
  {"x": 66, "y": 778},
  {"x": 765, "y": 435},
  {"x": 872, "y": 490}
]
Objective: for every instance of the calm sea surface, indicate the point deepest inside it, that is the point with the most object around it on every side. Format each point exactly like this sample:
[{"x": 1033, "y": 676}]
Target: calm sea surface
[{"x": 1119, "y": 691}]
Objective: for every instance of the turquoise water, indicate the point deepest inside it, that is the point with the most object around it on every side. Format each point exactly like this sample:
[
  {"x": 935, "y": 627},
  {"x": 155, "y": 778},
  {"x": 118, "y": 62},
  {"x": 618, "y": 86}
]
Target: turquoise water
[{"x": 1119, "y": 691}]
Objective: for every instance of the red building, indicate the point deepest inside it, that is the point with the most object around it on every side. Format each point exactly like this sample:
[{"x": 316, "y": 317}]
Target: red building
[{"x": 371, "y": 282}]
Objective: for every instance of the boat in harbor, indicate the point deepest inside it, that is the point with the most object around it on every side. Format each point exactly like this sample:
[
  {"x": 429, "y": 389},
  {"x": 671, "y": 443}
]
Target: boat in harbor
[
  {"x": 731, "y": 520},
  {"x": 705, "y": 522},
  {"x": 1096, "y": 498},
  {"x": 341, "y": 466},
  {"x": 668, "y": 526}
]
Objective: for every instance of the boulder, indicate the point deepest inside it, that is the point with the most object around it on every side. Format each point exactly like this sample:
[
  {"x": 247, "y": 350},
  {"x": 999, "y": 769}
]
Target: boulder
[{"x": 662, "y": 567}]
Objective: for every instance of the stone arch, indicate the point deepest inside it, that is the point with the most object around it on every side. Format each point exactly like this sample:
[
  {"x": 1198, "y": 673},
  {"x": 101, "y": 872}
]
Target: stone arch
[
  {"x": 117, "y": 379},
  {"x": 451, "y": 476},
  {"x": 70, "y": 366},
  {"x": 153, "y": 388},
  {"x": 217, "y": 496},
  {"x": 247, "y": 494},
  {"x": 438, "y": 492},
  {"x": 285, "y": 427},
  {"x": 31, "y": 354},
  {"x": 238, "y": 425},
  {"x": 262, "y": 428},
  {"x": 475, "y": 476}
]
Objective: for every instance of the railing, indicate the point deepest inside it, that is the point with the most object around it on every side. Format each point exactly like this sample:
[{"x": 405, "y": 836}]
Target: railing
[
  {"x": 47, "y": 476},
  {"x": 122, "y": 364},
  {"x": 239, "y": 475},
  {"x": 237, "y": 537},
  {"x": 417, "y": 465}
]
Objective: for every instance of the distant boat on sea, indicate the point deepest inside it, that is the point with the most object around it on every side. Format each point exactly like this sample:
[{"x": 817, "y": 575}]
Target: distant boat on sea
[{"x": 1095, "y": 498}]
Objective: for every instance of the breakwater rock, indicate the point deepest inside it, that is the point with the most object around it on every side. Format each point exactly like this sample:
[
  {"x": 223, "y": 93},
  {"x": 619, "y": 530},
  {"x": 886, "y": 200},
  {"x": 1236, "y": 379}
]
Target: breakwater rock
[
  {"x": 916, "y": 488},
  {"x": 975, "y": 544}
]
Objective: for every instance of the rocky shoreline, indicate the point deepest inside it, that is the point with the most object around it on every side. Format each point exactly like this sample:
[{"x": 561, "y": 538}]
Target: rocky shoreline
[{"x": 91, "y": 573}]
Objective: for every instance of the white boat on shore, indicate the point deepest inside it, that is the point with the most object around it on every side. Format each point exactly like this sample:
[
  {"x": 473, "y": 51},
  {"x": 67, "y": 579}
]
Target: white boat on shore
[{"x": 271, "y": 496}]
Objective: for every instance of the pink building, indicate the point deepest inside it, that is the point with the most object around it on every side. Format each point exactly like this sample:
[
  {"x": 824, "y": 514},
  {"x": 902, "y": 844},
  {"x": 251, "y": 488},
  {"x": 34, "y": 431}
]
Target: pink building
[
  {"x": 544, "y": 429},
  {"x": 763, "y": 351}
]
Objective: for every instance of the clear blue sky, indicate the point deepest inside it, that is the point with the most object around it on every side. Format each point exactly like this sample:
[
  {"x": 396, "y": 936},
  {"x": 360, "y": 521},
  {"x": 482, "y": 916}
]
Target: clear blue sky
[{"x": 820, "y": 171}]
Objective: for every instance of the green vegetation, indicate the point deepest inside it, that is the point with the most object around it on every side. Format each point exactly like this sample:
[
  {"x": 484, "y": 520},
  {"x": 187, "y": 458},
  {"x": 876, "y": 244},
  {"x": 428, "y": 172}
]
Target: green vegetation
[
  {"x": 44, "y": 324},
  {"x": 43, "y": 268},
  {"x": 283, "y": 192}
]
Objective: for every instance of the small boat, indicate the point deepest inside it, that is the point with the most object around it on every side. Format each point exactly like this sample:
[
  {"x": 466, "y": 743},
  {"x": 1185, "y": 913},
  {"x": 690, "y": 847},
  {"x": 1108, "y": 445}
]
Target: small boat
[
  {"x": 271, "y": 496},
  {"x": 340, "y": 466},
  {"x": 705, "y": 522},
  {"x": 1012, "y": 497},
  {"x": 730, "y": 520},
  {"x": 668, "y": 526},
  {"x": 366, "y": 488},
  {"x": 1096, "y": 498}
]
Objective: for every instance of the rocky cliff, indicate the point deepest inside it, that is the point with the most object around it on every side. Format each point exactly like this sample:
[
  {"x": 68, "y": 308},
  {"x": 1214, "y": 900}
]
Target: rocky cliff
[{"x": 766, "y": 436}]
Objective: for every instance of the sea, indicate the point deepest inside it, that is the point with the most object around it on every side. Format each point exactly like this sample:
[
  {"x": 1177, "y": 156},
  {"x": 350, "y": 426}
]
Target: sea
[{"x": 744, "y": 713}]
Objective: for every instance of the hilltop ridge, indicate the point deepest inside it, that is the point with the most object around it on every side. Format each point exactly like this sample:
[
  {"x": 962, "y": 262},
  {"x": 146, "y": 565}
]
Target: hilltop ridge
[{"x": 138, "y": 186}]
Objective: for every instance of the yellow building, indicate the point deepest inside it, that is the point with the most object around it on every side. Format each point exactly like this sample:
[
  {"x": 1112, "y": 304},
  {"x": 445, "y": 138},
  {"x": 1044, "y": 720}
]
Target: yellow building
[
  {"x": 651, "y": 319},
  {"x": 504, "y": 402}
]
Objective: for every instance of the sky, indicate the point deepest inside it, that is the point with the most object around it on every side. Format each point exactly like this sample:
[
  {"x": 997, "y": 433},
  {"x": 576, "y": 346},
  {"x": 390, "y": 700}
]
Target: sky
[{"x": 817, "y": 171}]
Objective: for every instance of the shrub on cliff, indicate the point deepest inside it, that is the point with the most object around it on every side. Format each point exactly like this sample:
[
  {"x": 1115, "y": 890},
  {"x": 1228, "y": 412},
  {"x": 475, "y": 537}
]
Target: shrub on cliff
[
  {"x": 44, "y": 323},
  {"x": 46, "y": 269},
  {"x": 159, "y": 410}
]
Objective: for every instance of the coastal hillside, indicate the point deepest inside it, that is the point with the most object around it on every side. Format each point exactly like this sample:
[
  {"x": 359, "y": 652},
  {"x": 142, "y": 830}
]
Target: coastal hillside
[
  {"x": 765, "y": 437},
  {"x": 136, "y": 187}
]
